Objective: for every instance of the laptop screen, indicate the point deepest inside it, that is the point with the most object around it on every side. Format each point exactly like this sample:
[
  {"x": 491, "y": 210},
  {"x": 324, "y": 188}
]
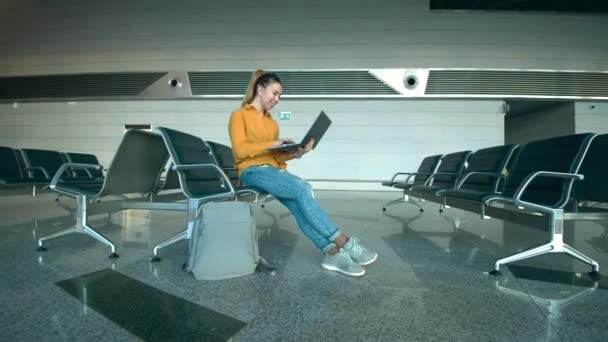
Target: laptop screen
[{"x": 316, "y": 131}]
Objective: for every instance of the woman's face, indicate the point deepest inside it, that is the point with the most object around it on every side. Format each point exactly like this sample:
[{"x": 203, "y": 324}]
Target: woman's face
[{"x": 270, "y": 95}]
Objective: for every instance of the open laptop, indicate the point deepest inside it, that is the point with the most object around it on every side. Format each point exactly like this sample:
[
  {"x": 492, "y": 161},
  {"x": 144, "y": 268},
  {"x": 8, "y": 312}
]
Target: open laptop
[{"x": 318, "y": 128}]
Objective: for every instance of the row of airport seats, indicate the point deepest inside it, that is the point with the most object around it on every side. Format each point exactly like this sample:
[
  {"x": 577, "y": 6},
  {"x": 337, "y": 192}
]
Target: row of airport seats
[
  {"x": 25, "y": 168},
  {"x": 540, "y": 184},
  {"x": 203, "y": 171}
]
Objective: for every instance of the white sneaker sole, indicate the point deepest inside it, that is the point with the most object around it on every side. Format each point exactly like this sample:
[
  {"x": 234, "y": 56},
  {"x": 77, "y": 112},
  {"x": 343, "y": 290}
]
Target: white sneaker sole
[
  {"x": 369, "y": 262},
  {"x": 333, "y": 268}
]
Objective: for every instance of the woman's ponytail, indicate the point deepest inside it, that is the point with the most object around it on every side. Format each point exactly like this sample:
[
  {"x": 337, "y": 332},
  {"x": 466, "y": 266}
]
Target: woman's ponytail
[{"x": 250, "y": 93}]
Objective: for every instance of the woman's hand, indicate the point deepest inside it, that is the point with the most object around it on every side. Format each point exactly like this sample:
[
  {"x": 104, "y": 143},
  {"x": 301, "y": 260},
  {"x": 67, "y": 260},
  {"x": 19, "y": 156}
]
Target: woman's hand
[
  {"x": 283, "y": 141},
  {"x": 303, "y": 150}
]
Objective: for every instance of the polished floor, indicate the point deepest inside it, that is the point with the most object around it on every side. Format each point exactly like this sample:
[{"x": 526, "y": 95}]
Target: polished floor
[{"x": 427, "y": 285}]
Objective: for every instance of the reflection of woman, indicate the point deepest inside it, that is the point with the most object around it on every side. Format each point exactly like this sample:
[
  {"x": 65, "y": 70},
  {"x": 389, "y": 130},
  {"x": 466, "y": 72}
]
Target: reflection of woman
[{"x": 252, "y": 130}]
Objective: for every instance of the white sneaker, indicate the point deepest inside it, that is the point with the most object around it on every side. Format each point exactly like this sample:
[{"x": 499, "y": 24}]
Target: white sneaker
[
  {"x": 361, "y": 255},
  {"x": 341, "y": 262}
]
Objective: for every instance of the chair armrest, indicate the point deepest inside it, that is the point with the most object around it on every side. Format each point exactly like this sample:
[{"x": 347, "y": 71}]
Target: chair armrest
[
  {"x": 39, "y": 168},
  {"x": 409, "y": 175},
  {"x": 524, "y": 185},
  {"x": 469, "y": 174},
  {"x": 221, "y": 173},
  {"x": 66, "y": 166},
  {"x": 516, "y": 200},
  {"x": 400, "y": 174}
]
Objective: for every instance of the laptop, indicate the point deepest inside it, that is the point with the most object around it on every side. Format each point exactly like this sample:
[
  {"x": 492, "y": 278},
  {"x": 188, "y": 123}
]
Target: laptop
[{"x": 317, "y": 130}]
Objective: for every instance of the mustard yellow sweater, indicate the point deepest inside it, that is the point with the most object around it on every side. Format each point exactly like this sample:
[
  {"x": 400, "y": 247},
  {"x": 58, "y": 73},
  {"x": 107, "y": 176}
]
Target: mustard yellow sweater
[{"x": 250, "y": 136}]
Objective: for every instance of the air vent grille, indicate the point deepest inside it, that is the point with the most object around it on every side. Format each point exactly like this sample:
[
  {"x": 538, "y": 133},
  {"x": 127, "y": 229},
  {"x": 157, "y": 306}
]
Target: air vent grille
[
  {"x": 376, "y": 83},
  {"x": 76, "y": 86},
  {"x": 218, "y": 82},
  {"x": 517, "y": 83},
  {"x": 297, "y": 83}
]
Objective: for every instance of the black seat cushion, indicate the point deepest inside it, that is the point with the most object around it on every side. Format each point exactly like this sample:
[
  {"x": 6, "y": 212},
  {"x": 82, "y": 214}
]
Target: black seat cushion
[
  {"x": 595, "y": 169},
  {"x": 471, "y": 195},
  {"x": 448, "y": 171},
  {"x": 225, "y": 159},
  {"x": 401, "y": 185},
  {"x": 186, "y": 149},
  {"x": 426, "y": 168},
  {"x": 12, "y": 181},
  {"x": 491, "y": 160},
  {"x": 49, "y": 160},
  {"x": 9, "y": 167},
  {"x": 85, "y": 158},
  {"x": 560, "y": 154},
  {"x": 426, "y": 188}
]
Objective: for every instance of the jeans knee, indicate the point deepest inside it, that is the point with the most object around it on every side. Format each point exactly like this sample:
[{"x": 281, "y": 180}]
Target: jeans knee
[{"x": 304, "y": 188}]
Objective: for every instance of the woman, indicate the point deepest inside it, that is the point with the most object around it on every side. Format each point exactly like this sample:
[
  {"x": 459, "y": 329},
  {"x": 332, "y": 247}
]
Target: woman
[{"x": 252, "y": 130}]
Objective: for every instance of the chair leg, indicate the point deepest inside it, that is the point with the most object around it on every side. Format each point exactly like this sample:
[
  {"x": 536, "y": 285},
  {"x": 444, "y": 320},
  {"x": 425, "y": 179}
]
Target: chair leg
[
  {"x": 80, "y": 227},
  {"x": 575, "y": 253},
  {"x": 266, "y": 200},
  {"x": 529, "y": 253},
  {"x": 265, "y": 267},
  {"x": 555, "y": 245},
  {"x": 421, "y": 209},
  {"x": 70, "y": 230},
  {"x": 192, "y": 219},
  {"x": 183, "y": 235},
  {"x": 395, "y": 201},
  {"x": 444, "y": 206},
  {"x": 550, "y": 247},
  {"x": 99, "y": 237},
  {"x": 404, "y": 199}
]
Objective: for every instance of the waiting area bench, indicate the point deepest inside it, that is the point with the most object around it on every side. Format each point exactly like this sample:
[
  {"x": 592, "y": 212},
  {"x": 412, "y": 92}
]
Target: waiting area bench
[
  {"x": 533, "y": 185},
  {"x": 206, "y": 173},
  {"x": 135, "y": 169},
  {"x": 13, "y": 173},
  {"x": 95, "y": 174},
  {"x": 403, "y": 180},
  {"x": 35, "y": 168}
]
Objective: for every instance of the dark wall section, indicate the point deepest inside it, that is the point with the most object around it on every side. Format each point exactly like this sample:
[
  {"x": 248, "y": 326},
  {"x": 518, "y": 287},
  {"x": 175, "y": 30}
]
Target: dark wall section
[
  {"x": 552, "y": 120},
  {"x": 568, "y": 6}
]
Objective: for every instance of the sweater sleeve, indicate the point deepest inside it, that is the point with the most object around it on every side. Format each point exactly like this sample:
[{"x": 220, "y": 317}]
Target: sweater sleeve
[
  {"x": 283, "y": 156},
  {"x": 241, "y": 147}
]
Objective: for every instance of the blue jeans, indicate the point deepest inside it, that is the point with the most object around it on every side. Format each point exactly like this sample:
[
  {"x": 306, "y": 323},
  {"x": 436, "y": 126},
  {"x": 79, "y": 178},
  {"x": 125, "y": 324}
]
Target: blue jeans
[{"x": 296, "y": 194}]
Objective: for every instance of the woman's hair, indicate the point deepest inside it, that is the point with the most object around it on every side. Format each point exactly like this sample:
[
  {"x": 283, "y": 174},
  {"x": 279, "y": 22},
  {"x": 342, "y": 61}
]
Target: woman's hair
[{"x": 259, "y": 77}]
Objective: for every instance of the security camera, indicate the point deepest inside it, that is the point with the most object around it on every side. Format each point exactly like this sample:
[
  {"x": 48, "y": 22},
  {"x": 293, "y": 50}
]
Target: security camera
[{"x": 410, "y": 81}]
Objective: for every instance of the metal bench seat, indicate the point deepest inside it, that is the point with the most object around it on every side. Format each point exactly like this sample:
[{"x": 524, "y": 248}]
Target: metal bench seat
[
  {"x": 135, "y": 169},
  {"x": 85, "y": 158},
  {"x": 537, "y": 189},
  {"x": 200, "y": 177},
  {"x": 13, "y": 172},
  {"x": 445, "y": 177},
  {"x": 404, "y": 180},
  {"x": 483, "y": 175}
]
